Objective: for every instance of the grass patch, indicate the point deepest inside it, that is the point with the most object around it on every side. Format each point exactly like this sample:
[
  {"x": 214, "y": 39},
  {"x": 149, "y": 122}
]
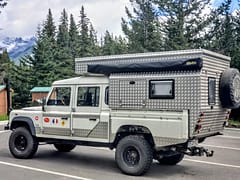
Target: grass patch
[
  {"x": 3, "y": 117},
  {"x": 234, "y": 123}
]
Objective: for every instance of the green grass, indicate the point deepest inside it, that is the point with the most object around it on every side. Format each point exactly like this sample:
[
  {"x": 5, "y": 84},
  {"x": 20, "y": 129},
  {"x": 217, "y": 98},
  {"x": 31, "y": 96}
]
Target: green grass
[
  {"x": 234, "y": 123},
  {"x": 3, "y": 117}
]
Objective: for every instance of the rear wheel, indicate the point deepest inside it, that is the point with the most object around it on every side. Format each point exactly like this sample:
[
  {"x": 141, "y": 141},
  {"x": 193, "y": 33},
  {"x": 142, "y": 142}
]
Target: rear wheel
[
  {"x": 64, "y": 147},
  {"x": 134, "y": 155},
  {"x": 171, "y": 160},
  {"x": 22, "y": 144}
]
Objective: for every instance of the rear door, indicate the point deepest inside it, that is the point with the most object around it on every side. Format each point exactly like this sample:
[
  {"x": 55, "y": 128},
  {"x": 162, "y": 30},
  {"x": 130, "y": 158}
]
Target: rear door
[{"x": 86, "y": 110}]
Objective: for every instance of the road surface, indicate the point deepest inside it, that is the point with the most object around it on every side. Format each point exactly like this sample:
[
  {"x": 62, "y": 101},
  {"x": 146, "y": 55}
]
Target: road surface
[{"x": 89, "y": 163}]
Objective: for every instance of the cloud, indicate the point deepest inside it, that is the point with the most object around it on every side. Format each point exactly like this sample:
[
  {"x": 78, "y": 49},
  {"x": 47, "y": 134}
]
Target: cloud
[{"x": 21, "y": 18}]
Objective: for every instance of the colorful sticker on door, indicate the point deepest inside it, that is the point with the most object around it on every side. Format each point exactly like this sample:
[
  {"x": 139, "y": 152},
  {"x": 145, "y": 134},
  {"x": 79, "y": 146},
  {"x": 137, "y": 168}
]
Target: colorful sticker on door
[{"x": 46, "y": 120}]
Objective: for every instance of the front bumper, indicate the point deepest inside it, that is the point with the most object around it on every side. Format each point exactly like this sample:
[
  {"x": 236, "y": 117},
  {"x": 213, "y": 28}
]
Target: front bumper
[{"x": 7, "y": 127}]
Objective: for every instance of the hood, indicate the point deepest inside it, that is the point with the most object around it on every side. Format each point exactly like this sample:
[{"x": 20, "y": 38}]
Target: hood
[{"x": 37, "y": 108}]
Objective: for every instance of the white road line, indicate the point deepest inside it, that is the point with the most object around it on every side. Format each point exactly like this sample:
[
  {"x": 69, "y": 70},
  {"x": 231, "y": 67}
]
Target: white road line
[
  {"x": 230, "y": 137},
  {"x": 232, "y": 129},
  {"x": 212, "y": 163},
  {"x": 222, "y": 147},
  {"x": 43, "y": 170}
]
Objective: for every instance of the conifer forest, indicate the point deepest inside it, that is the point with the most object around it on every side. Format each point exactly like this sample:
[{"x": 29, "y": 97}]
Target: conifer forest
[{"x": 149, "y": 26}]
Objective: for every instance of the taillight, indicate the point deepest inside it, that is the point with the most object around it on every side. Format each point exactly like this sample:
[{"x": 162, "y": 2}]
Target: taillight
[{"x": 198, "y": 126}]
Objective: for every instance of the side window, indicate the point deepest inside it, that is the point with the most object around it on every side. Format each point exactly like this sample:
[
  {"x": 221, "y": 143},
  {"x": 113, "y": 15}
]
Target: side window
[
  {"x": 161, "y": 89},
  {"x": 211, "y": 91},
  {"x": 106, "y": 99},
  {"x": 60, "y": 96},
  {"x": 88, "y": 96}
]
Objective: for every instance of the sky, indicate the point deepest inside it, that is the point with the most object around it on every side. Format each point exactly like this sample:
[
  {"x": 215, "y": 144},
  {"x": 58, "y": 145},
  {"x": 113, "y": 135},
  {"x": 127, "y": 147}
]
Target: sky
[{"x": 21, "y": 18}]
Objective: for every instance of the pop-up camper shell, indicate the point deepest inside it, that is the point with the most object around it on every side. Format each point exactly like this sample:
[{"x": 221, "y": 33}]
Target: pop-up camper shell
[{"x": 172, "y": 81}]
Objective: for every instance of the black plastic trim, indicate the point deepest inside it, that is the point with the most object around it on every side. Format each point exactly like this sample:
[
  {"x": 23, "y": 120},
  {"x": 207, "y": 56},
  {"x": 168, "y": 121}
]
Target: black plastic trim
[{"x": 24, "y": 119}]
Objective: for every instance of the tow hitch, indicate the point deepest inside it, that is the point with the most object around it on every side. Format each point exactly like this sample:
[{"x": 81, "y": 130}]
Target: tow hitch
[{"x": 198, "y": 151}]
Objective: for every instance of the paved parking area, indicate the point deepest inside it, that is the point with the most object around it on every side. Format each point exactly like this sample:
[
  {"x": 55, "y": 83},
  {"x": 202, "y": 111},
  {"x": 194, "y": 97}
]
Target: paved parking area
[{"x": 98, "y": 163}]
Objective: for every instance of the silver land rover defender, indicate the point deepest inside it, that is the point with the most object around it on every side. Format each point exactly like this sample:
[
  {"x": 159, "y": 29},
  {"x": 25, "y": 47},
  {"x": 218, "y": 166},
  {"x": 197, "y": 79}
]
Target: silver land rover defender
[{"x": 146, "y": 106}]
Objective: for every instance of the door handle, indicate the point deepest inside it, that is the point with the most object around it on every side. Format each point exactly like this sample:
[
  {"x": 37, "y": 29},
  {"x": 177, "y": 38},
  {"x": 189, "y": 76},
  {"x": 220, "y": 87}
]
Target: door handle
[
  {"x": 64, "y": 118},
  {"x": 92, "y": 119}
]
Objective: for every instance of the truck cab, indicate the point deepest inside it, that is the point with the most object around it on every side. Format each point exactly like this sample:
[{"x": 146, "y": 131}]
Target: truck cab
[{"x": 73, "y": 109}]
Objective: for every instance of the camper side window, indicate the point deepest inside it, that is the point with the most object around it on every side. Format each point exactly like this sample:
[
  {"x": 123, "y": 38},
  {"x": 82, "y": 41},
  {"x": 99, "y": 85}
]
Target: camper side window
[
  {"x": 161, "y": 89},
  {"x": 211, "y": 91}
]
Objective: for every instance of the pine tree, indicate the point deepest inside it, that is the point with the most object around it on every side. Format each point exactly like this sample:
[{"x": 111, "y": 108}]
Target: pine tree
[
  {"x": 5, "y": 65},
  {"x": 73, "y": 37},
  {"x": 141, "y": 30},
  {"x": 235, "y": 53},
  {"x": 49, "y": 28},
  {"x": 21, "y": 82},
  {"x": 108, "y": 44},
  {"x": 94, "y": 47},
  {"x": 84, "y": 39},
  {"x": 63, "y": 57},
  {"x": 63, "y": 35},
  {"x": 113, "y": 45},
  {"x": 44, "y": 53},
  {"x": 221, "y": 34},
  {"x": 121, "y": 45},
  {"x": 182, "y": 22}
]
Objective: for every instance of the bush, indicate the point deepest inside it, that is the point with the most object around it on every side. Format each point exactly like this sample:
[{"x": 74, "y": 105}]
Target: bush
[
  {"x": 234, "y": 123},
  {"x": 3, "y": 117}
]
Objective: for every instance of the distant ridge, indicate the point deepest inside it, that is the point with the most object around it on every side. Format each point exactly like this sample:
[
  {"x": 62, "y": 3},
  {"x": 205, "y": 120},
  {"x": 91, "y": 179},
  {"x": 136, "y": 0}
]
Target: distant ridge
[{"x": 17, "y": 47}]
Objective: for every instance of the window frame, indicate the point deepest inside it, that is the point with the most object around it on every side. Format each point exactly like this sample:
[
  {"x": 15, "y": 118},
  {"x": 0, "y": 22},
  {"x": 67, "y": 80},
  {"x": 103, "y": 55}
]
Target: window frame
[
  {"x": 82, "y": 106},
  {"x": 151, "y": 96},
  {"x": 106, "y": 96},
  {"x": 57, "y": 101},
  {"x": 210, "y": 101}
]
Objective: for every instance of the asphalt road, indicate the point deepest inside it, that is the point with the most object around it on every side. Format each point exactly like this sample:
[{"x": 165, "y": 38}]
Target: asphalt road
[{"x": 98, "y": 163}]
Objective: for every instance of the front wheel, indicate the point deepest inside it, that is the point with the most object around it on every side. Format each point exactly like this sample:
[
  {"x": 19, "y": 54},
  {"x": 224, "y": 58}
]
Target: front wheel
[
  {"x": 22, "y": 144},
  {"x": 64, "y": 147},
  {"x": 134, "y": 155}
]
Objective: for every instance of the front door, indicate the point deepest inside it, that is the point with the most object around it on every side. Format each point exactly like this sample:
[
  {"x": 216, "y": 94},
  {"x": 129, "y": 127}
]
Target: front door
[
  {"x": 57, "y": 114},
  {"x": 86, "y": 111}
]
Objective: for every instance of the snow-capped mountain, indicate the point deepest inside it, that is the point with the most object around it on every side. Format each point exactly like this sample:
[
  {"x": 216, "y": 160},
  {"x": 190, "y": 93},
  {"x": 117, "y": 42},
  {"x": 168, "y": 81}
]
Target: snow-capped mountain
[{"x": 17, "y": 47}]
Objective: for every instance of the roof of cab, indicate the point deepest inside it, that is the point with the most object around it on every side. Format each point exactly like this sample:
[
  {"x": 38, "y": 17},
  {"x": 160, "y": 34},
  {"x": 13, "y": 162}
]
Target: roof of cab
[{"x": 82, "y": 80}]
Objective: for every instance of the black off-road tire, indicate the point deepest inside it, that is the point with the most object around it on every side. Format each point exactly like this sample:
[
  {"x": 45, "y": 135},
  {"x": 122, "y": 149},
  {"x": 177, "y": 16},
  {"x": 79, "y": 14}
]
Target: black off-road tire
[
  {"x": 229, "y": 90},
  {"x": 64, "y": 147},
  {"x": 171, "y": 160},
  {"x": 22, "y": 144},
  {"x": 134, "y": 155}
]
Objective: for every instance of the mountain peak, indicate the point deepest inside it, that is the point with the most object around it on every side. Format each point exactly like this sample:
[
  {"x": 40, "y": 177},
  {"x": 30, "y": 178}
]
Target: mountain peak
[{"x": 17, "y": 47}]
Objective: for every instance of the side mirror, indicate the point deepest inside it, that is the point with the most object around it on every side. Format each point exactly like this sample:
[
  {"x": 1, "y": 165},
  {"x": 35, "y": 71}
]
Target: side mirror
[{"x": 43, "y": 103}]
